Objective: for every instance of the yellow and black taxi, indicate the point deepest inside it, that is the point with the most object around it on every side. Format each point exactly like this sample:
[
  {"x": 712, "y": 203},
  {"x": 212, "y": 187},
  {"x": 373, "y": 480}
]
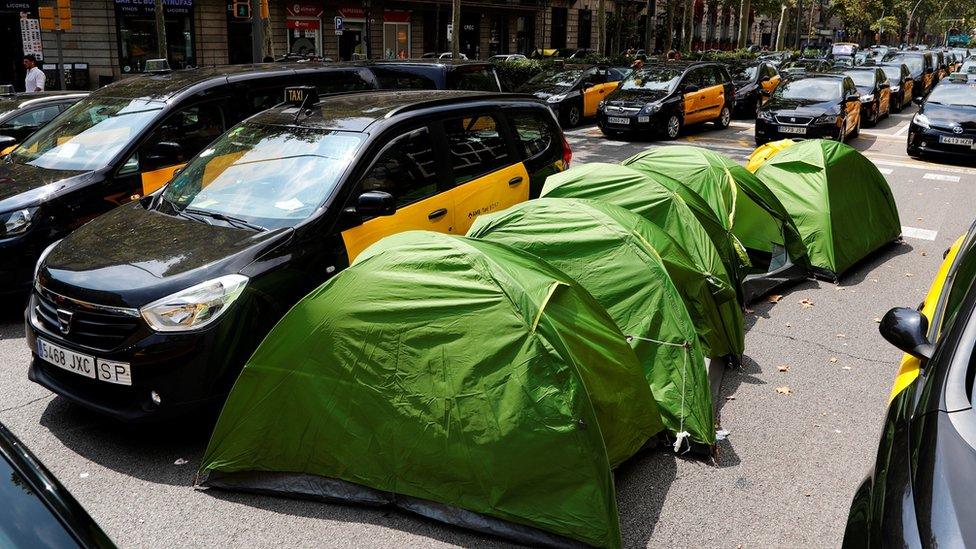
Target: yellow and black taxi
[
  {"x": 921, "y": 67},
  {"x": 573, "y": 94},
  {"x": 946, "y": 120},
  {"x": 22, "y": 114},
  {"x": 872, "y": 84},
  {"x": 661, "y": 98},
  {"x": 127, "y": 139},
  {"x": 152, "y": 309},
  {"x": 921, "y": 490},
  {"x": 901, "y": 82},
  {"x": 815, "y": 106},
  {"x": 751, "y": 79}
]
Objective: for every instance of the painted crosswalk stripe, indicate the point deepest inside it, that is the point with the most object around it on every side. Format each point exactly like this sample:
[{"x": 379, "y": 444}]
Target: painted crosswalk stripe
[
  {"x": 941, "y": 177},
  {"x": 903, "y": 130},
  {"x": 615, "y": 143},
  {"x": 921, "y": 234}
]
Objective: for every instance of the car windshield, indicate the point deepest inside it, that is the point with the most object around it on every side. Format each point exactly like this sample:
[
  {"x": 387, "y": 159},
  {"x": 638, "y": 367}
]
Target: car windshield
[
  {"x": 556, "y": 79},
  {"x": 893, "y": 73},
  {"x": 962, "y": 95},
  {"x": 862, "y": 78},
  {"x": 88, "y": 135},
  {"x": 653, "y": 78},
  {"x": 969, "y": 67},
  {"x": 743, "y": 72},
  {"x": 269, "y": 176},
  {"x": 810, "y": 89},
  {"x": 914, "y": 62}
]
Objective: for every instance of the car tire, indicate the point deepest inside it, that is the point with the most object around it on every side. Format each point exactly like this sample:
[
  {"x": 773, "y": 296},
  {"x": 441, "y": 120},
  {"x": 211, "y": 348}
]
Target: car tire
[
  {"x": 724, "y": 118},
  {"x": 672, "y": 128},
  {"x": 573, "y": 116},
  {"x": 875, "y": 115},
  {"x": 913, "y": 152}
]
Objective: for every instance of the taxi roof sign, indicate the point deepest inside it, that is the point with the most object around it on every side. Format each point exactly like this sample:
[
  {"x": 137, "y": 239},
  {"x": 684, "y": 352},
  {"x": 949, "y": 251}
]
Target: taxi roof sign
[{"x": 301, "y": 95}]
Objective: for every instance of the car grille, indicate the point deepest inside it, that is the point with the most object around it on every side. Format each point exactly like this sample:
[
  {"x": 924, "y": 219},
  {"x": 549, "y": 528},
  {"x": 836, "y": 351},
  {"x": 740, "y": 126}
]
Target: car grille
[
  {"x": 794, "y": 120},
  {"x": 617, "y": 109},
  {"x": 93, "y": 326}
]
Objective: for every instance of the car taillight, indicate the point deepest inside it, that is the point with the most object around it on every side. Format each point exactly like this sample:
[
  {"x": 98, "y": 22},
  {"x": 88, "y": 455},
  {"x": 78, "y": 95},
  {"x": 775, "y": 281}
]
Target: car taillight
[{"x": 567, "y": 154}]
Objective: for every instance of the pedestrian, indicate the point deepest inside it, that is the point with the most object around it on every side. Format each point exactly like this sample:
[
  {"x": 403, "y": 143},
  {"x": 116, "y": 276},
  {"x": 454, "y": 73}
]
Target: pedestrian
[{"x": 34, "y": 82}]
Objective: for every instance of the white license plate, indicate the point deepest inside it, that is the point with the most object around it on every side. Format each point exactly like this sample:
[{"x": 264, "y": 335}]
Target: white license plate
[
  {"x": 949, "y": 140},
  {"x": 84, "y": 365},
  {"x": 618, "y": 120},
  {"x": 799, "y": 130}
]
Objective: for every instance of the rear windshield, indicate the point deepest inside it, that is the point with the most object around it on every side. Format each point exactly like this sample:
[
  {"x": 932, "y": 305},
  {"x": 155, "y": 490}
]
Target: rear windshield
[
  {"x": 742, "y": 73},
  {"x": 915, "y": 63},
  {"x": 893, "y": 73},
  {"x": 558, "y": 80},
  {"x": 472, "y": 79},
  {"x": 810, "y": 89},
  {"x": 862, "y": 78}
]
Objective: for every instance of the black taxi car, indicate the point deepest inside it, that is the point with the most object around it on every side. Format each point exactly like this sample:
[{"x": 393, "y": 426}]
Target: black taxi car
[
  {"x": 921, "y": 490},
  {"x": 818, "y": 106},
  {"x": 573, "y": 94},
  {"x": 22, "y": 114},
  {"x": 946, "y": 119},
  {"x": 126, "y": 140},
  {"x": 751, "y": 79},
  {"x": 153, "y": 308},
  {"x": 662, "y": 98},
  {"x": 872, "y": 84},
  {"x": 921, "y": 67},
  {"x": 901, "y": 82}
]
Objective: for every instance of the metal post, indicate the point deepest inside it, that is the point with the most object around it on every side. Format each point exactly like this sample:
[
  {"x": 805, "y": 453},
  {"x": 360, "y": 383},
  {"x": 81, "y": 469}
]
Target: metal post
[
  {"x": 799, "y": 22},
  {"x": 257, "y": 33},
  {"x": 455, "y": 29},
  {"x": 162, "y": 48},
  {"x": 57, "y": 37}
]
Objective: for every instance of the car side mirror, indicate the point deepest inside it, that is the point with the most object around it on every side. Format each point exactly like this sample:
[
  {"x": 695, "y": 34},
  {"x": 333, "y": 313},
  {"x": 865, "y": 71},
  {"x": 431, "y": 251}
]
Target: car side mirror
[
  {"x": 7, "y": 141},
  {"x": 907, "y": 330},
  {"x": 690, "y": 88},
  {"x": 766, "y": 78},
  {"x": 918, "y": 100},
  {"x": 375, "y": 203},
  {"x": 164, "y": 153}
]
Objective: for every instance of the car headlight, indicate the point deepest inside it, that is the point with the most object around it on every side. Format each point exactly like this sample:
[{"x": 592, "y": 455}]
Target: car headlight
[
  {"x": 895, "y": 89},
  {"x": 826, "y": 119},
  {"x": 602, "y": 105},
  {"x": 43, "y": 256},
  {"x": 17, "y": 221},
  {"x": 766, "y": 116},
  {"x": 651, "y": 108},
  {"x": 556, "y": 98},
  {"x": 867, "y": 98},
  {"x": 196, "y": 306},
  {"x": 921, "y": 120}
]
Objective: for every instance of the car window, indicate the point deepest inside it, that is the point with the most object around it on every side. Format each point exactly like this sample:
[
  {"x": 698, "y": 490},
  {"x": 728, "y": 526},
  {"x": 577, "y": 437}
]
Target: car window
[
  {"x": 33, "y": 119},
  {"x": 474, "y": 78},
  {"x": 407, "y": 169},
  {"x": 192, "y": 128},
  {"x": 341, "y": 81},
  {"x": 533, "y": 133},
  {"x": 475, "y": 147},
  {"x": 394, "y": 79}
]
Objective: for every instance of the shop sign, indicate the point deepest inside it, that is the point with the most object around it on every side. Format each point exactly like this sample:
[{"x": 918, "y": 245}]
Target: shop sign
[
  {"x": 302, "y": 24},
  {"x": 303, "y": 9},
  {"x": 148, "y": 7},
  {"x": 19, "y": 6},
  {"x": 396, "y": 16},
  {"x": 30, "y": 36},
  {"x": 352, "y": 12}
]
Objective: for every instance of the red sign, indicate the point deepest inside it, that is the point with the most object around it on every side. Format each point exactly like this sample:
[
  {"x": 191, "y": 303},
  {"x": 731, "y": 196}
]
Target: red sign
[
  {"x": 396, "y": 16},
  {"x": 352, "y": 12},
  {"x": 303, "y": 9},
  {"x": 302, "y": 24}
]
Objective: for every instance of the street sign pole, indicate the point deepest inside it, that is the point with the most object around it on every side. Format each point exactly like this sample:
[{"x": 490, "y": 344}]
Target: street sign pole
[
  {"x": 57, "y": 38},
  {"x": 257, "y": 33}
]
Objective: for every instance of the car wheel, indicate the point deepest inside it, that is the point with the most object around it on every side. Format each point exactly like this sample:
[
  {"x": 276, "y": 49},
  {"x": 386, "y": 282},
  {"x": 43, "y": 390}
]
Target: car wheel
[
  {"x": 573, "y": 116},
  {"x": 673, "y": 127},
  {"x": 913, "y": 152},
  {"x": 724, "y": 117},
  {"x": 874, "y": 115}
]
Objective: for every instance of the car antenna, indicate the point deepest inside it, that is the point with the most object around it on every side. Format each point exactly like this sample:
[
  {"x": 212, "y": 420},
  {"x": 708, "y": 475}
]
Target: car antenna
[{"x": 301, "y": 96}]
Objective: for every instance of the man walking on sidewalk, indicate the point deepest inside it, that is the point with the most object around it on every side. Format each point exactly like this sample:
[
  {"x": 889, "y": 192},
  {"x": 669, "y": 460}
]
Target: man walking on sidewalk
[{"x": 35, "y": 76}]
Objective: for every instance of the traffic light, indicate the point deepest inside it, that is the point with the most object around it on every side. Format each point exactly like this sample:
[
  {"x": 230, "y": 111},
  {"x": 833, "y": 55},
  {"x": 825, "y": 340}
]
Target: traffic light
[
  {"x": 242, "y": 10},
  {"x": 265, "y": 10},
  {"x": 46, "y": 16},
  {"x": 64, "y": 14}
]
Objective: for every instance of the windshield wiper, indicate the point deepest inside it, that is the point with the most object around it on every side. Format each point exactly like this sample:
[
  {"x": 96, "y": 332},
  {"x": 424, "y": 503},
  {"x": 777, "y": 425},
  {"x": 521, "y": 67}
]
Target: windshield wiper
[{"x": 234, "y": 221}]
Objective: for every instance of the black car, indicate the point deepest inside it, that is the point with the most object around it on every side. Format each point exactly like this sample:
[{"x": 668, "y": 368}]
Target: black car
[
  {"x": 901, "y": 82},
  {"x": 826, "y": 106},
  {"x": 38, "y": 510},
  {"x": 22, "y": 114},
  {"x": 946, "y": 120},
  {"x": 806, "y": 65},
  {"x": 573, "y": 94},
  {"x": 751, "y": 79},
  {"x": 777, "y": 58},
  {"x": 921, "y": 491},
  {"x": 872, "y": 84},
  {"x": 661, "y": 98},
  {"x": 151, "y": 310},
  {"x": 126, "y": 140},
  {"x": 921, "y": 67}
]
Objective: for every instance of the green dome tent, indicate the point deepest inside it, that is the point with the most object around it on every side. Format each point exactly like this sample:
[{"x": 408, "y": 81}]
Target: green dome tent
[
  {"x": 840, "y": 202},
  {"x": 607, "y": 250},
  {"x": 460, "y": 379},
  {"x": 634, "y": 191},
  {"x": 744, "y": 205}
]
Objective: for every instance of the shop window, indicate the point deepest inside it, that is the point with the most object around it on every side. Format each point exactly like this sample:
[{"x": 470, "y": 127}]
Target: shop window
[
  {"x": 136, "y": 26},
  {"x": 407, "y": 169},
  {"x": 559, "y": 21},
  {"x": 586, "y": 28},
  {"x": 396, "y": 40},
  {"x": 475, "y": 147}
]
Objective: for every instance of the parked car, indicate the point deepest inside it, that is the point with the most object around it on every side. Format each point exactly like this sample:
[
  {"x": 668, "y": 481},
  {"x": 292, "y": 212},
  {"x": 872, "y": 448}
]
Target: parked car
[
  {"x": 946, "y": 120},
  {"x": 901, "y": 82},
  {"x": 445, "y": 55},
  {"x": 151, "y": 310},
  {"x": 920, "y": 490},
  {"x": 662, "y": 98},
  {"x": 126, "y": 140},
  {"x": 507, "y": 57},
  {"x": 872, "y": 84},
  {"x": 968, "y": 65},
  {"x": 806, "y": 65},
  {"x": 38, "y": 510},
  {"x": 921, "y": 68},
  {"x": 777, "y": 58},
  {"x": 22, "y": 114},
  {"x": 826, "y": 106},
  {"x": 751, "y": 78},
  {"x": 573, "y": 94}
]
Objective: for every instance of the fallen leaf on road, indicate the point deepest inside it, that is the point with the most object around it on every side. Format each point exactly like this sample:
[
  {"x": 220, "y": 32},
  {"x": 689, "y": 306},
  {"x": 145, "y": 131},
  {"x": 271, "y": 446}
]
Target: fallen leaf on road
[
  {"x": 833, "y": 359},
  {"x": 846, "y": 368},
  {"x": 806, "y": 302},
  {"x": 877, "y": 320},
  {"x": 784, "y": 390},
  {"x": 909, "y": 275},
  {"x": 730, "y": 398},
  {"x": 83, "y": 475},
  {"x": 874, "y": 280},
  {"x": 839, "y": 288},
  {"x": 784, "y": 368},
  {"x": 180, "y": 461},
  {"x": 924, "y": 254},
  {"x": 842, "y": 336},
  {"x": 788, "y": 325},
  {"x": 774, "y": 298},
  {"x": 807, "y": 495}
]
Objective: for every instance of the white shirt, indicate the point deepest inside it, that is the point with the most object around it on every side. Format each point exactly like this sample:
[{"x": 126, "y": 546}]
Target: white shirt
[{"x": 35, "y": 80}]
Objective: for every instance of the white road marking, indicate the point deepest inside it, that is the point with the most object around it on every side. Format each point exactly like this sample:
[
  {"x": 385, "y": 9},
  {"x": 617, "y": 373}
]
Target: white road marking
[
  {"x": 921, "y": 234},
  {"x": 916, "y": 165},
  {"x": 941, "y": 177},
  {"x": 616, "y": 143},
  {"x": 879, "y": 135},
  {"x": 903, "y": 130}
]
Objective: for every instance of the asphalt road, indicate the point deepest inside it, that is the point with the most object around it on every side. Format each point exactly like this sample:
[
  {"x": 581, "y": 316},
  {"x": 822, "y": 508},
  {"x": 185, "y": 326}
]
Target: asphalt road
[{"x": 783, "y": 478}]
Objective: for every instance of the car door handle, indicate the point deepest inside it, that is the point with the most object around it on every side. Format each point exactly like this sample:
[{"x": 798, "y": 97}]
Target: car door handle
[
  {"x": 515, "y": 180},
  {"x": 440, "y": 212}
]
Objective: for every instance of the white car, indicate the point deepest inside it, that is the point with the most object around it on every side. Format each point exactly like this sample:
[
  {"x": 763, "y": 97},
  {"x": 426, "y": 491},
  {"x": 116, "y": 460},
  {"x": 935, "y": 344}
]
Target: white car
[
  {"x": 507, "y": 57},
  {"x": 445, "y": 55}
]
